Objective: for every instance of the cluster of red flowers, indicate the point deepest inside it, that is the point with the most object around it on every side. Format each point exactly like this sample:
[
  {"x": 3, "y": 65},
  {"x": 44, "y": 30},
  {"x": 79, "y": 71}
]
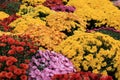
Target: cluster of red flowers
[
  {"x": 15, "y": 54},
  {"x": 53, "y": 3},
  {"x": 9, "y": 70},
  {"x": 81, "y": 76},
  {"x": 5, "y": 22}
]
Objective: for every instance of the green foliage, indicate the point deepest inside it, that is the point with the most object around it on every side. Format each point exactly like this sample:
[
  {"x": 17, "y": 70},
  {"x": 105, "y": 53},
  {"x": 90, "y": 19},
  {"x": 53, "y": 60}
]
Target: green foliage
[
  {"x": 11, "y": 7},
  {"x": 114, "y": 34}
]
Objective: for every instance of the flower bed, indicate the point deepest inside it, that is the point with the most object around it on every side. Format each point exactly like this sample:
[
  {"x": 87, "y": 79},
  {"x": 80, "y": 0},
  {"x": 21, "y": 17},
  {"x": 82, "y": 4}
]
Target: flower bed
[{"x": 59, "y": 39}]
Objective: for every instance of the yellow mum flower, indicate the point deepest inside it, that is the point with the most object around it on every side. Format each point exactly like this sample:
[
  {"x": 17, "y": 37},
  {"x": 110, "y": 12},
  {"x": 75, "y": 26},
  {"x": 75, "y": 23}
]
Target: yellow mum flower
[
  {"x": 95, "y": 71},
  {"x": 3, "y": 15},
  {"x": 33, "y": 2},
  {"x": 104, "y": 72}
]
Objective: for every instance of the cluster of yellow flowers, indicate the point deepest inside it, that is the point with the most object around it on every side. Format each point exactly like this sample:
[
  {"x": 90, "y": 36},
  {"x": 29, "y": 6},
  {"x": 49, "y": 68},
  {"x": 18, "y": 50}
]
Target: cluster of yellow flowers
[
  {"x": 104, "y": 12},
  {"x": 62, "y": 21},
  {"x": 22, "y": 24},
  {"x": 47, "y": 37},
  {"x": 5, "y": 33},
  {"x": 38, "y": 11},
  {"x": 94, "y": 52},
  {"x": 33, "y": 2},
  {"x": 3, "y": 15}
]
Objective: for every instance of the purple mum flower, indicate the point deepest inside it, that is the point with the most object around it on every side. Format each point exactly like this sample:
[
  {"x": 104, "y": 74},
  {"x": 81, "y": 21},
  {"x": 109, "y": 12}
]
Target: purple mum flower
[{"x": 47, "y": 63}]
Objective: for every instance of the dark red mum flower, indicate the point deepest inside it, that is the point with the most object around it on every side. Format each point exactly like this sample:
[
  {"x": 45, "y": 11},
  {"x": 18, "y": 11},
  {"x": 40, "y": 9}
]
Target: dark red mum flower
[
  {"x": 11, "y": 52},
  {"x": 18, "y": 71},
  {"x": 11, "y": 41},
  {"x": 9, "y": 62},
  {"x": 19, "y": 49},
  {"x": 23, "y": 77},
  {"x": 2, "y": 44}
]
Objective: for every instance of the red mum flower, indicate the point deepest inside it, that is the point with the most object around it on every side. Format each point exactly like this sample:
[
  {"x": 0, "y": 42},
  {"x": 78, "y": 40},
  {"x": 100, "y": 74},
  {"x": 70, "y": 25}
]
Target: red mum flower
[
  {"x": 22, "y": 43},
  {"x": 11, "y": 52},
  {"x": 9, "y": 62},
  {"x": 19, "y": 49},
  {"x": 14, "y": 77},
  {"x": 0, "y": 75},
  {"x": 23, "y": 77},
  {"x": 17, "y": 42},
  {"x": 65, "y": 76},
  {"x": 2, "y": 44},
  {"x": 23, "y": 71},
  {"x": 10, "y": 40},
  {"x": 3, "y": 58},
  {"x": 32, "y": 50},
  {"x": 106, "y": 78},
  {"x": 3, "y": 73},
  {"x": 13, "y": 47},
  {"x": 77, "y": 76},
  {"x": 27, "y": 61},
  {"x": 13, "y": 59},
  {"x": 4, "y": 40},
  {"x": 18, "y": 71},
  {"x": 93, "y": 75},
  {"x": 9, "y": 75},
  {"x": 11, "y": 68},
  {"x": 24, "y": 66}
]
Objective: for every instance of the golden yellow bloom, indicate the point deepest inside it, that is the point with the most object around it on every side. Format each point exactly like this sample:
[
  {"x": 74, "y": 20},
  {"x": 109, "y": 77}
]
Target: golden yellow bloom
[
  {"x": 22, "y": 24},
  {"x": 92, "y": 10},
  {"x": 104, "y": 72},
  {"x": 6, "y": 33},
  {"x": 3, "y": 15},
  {"x": 95, "y": 71},
  {"x": 104, "y": 64},
  {"x": 34, "y": 12},
  {"x": 89, "y": 57},
  {"x": 62, "y": 21},
  {"x": 109, "y": 68},
  {"x": 33, "y": 2},
  {"x": 93, "y": 51}
]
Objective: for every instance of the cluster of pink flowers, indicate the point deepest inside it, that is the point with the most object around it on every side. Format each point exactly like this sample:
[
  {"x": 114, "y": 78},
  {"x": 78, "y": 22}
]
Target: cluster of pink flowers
[
  {"x": 58, "y": 5},
  {"x": 47, "y": 63}
]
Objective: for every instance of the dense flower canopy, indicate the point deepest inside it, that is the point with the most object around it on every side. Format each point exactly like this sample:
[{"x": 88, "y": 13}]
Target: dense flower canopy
[{"x": 63, "y": 39}]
